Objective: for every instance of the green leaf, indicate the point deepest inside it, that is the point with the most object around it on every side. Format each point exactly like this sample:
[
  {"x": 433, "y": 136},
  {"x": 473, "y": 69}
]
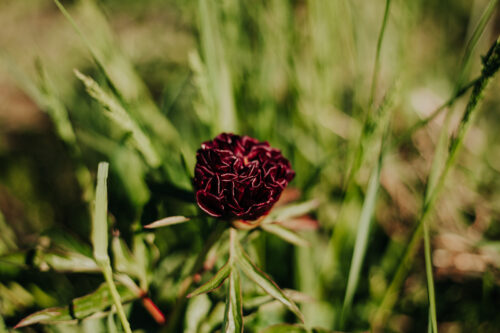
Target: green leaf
[
  {"x": 284, "y": 328},
  {"x": 264, "y": 281},
  {"x": 233, "y": 314},
  {"x": 215, "y": 282},
  {"x": 81, "y": 307},
  {"x": 284, "y": 213},
  {"x": 285, "y": 234},
  {"x": 168, "y": 221}
]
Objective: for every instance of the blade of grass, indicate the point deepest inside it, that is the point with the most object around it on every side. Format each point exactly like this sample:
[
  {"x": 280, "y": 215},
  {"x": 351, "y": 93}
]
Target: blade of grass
[
  {"x": 374, "y": 124},
  {"x": 376, "y": 66},
  {"x": 435, "y": 172},
  {"x": 361, "y": 242},
  {"x": 473, "y": 41},
  {"x": 118, "y": 114},
  {"x": 491, "y": 64},
  {"x": 220, "y": 84},
  {"x": 100, "y": 240},
  {"x": 139, "y": 97},
  {"x": 430, "y": 278}
]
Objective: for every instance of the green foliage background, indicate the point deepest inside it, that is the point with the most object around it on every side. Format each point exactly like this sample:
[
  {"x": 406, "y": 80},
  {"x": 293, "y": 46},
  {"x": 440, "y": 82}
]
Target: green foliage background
[{"x": 168, "y": 75}]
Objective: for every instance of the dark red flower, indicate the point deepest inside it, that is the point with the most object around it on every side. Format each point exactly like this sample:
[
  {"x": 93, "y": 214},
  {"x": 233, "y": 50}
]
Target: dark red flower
[{"x": 239, "y": 177}]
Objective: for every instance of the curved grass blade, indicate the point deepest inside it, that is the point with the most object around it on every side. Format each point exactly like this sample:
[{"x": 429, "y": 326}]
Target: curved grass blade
[
  {"x": 168, "y": 221},
  {"x": 285, "y": 234},
  {"x": 215, "y": 282},
  {"x": 263, "y": 281},
  {"x": 233, "y": 313}
]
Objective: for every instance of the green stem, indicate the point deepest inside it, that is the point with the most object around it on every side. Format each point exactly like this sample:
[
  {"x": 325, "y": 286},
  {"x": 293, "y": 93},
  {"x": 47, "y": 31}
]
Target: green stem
[
  {"x": 108, "y": 276},
  {"x": 99, "y": 238},
  {"x": 233, "y": 238},
  {"x": 430, "y": 278},
  {"x": 376, "y": 67},
  {"x": 198, "y": 265}
]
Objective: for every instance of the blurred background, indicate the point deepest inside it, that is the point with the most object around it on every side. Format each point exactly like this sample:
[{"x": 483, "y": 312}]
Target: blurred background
[{"x": 299, "y": 74}]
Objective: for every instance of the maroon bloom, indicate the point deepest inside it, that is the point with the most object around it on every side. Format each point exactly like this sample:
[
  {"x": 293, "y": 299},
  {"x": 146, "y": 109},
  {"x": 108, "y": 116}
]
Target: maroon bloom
[{"x": 239, "y": 177}]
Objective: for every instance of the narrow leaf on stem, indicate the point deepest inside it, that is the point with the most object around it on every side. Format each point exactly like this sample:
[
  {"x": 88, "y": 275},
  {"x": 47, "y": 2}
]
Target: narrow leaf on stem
[
  {"x": 233, "y": 314},
  {"x": 264, "y": 281},
  {"x": 168, "y": 221},
  {"x": 285, "y": 234},
  {"x": 215, "y": 282}
]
